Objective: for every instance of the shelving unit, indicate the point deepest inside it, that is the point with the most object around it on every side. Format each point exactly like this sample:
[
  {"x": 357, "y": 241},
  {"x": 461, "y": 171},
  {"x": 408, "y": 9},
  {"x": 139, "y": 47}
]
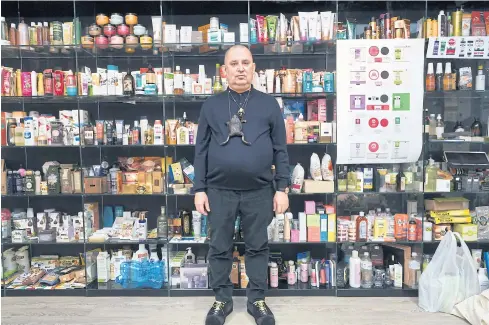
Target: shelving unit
[{"x": 320, "y": 56}]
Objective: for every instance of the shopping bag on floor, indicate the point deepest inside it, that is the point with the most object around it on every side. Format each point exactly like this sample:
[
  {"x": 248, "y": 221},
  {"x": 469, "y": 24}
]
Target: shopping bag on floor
[{"x": 450, "y": 277}]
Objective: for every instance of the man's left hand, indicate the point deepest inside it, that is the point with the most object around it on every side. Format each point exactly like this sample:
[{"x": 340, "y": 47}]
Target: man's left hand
[{"x": 280, "y": 202}]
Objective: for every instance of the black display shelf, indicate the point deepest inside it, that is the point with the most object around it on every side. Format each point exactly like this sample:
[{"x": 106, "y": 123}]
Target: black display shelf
[
  {"x": 456, "y": 141},
  {"x": 128, "y": 242},
  {"x": 270, "y": 243},
  {"x": 457, "y": 94},
  {"x": 7, "y": 241},
  {"x": 380, "y": 193},
  {"x": 45, "y": 293},
  {"x": 113, "y": 289},
  {"x": 373, "y": 292},
  {"x": 381, "y": 243}
]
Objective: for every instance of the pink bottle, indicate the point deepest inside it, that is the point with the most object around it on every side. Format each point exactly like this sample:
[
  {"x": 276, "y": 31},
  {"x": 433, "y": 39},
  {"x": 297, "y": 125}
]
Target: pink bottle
[
  {"x": 291, "y": 277},
  {"x": 274, "y": 275},
  {"x": 294, "y": 232}
]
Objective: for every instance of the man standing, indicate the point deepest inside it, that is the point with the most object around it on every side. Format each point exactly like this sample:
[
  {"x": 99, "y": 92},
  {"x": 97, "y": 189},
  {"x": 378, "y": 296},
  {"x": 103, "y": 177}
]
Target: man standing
[{"x": 241, "y": 135}]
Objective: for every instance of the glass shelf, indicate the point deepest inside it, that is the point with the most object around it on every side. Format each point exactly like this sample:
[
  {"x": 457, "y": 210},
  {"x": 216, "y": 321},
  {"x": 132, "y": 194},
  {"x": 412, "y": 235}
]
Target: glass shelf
[
  {"x": 146, "y": 146},
  {"x": 374, "y": 292},
  {"x": 459, "y": 94},
  {"x": 112, "y": 288},
  {"x": 141, "y": 98},
  {"x": 381, "y": 242}
]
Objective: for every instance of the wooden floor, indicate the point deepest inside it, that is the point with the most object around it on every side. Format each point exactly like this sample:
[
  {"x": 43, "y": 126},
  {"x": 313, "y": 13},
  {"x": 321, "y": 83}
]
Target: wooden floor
[{"x": 191, "y": 311}]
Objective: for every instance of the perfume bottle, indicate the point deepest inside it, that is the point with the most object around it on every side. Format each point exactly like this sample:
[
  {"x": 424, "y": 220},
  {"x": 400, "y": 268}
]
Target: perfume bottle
[{"x": 128, "y": 84}]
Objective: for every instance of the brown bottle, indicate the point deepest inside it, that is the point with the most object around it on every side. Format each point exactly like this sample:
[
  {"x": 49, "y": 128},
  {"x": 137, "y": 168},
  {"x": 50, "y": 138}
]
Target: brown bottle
[
  {"x": 13, "y": 35},
  {"x": 362, "y": 227}
]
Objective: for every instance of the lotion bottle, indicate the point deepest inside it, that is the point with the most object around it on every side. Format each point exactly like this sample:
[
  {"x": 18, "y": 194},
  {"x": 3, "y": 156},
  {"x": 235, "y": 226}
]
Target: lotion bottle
[
  {"x": 480, "y": 79},
  {"x": 189, "y": 257},
  {"x": 287, "y": 222},
  {"x": 291, "y": 276},
  {"x": 354, "y": 270}
]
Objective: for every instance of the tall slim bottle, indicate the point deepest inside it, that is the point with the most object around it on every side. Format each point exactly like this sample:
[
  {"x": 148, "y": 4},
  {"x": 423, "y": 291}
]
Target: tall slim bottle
[
  {"x": 217, "y": 87},
  {"x": 439, "y": 76},
  {"x": 430, "y": 78},
  {"x": 447, "y": 78},
  {"x": 162, "y": 224}
]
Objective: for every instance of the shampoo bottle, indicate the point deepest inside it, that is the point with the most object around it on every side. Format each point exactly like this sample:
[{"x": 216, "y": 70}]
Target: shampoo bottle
[
  {"x": 141, "y": 254},
  {"x": 291, "y": 277},
  {"x": 189, "y": 257},
  {"x": 354, "y": 270}
]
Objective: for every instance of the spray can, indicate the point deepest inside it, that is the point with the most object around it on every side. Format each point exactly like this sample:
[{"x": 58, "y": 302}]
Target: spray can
[{"x": 457, "y": 22}]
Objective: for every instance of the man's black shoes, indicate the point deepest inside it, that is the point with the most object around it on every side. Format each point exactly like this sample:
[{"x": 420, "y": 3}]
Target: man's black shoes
[
  {"x": 218, "y": 313},
  {"x": 262, "y": 314}
]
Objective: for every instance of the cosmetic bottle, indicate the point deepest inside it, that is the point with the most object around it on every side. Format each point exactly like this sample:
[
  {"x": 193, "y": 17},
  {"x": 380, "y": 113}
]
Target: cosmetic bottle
[
  {"x": 274, "y": 275},
  {"x": 295, "y": 232},
  {"x": 304, "y": 271},
  {"x": 354, "y": 270},
  {"x": 430, "y": 78},
  {"x": 476, "y": 128},
  {"x": 447, "y": 78},
  {"x": 287, "y": 225},
  {"x": 153, "y": 257},
  {"x": 442, "y": 25},
  {"x": 412, "y": 228},
  {"x": 141, "y": 254},
  {"x": 314, "y": 282},
  {"x": 291, "y": 276},
  {"x": 432, "y": 127},
  {"x": 361, "y": 228},
  {"x": 366, "y": 271},
  {"x": 440, "y": 127},
  {"x": 37, "y": 177},
  {"x": 187, "y": 82},
  {"x": 178, "y": 81},
  {"x": 439, "y": 77},
  {"x": 158, "y": 133},
  {"x": 189, "y": 257},
  {"x": 400, "y": 181},
  {"x": 480, "y": 79},
  {"x": 162, "y": 224},
  {"x": 414, "y": 268},
  {"x": 136, "y": 133},
  {"x": 13, "y": 35}
]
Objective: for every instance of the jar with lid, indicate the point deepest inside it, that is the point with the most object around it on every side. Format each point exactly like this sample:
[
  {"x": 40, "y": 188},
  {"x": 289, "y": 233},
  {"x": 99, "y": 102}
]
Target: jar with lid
[
  {"x": 87, "y": 39},
  {"x": 109, "y": 30},
  {"x": 131, "y": 19},
  {"x": 102, "y": 19},
  {"x": 102, "y": 42},
  {"x": 146, "y": 42},
  {"x": 123, "y": 30},
  {"x": 94, "y": 30},
  {"x": 117, "y": 42},
  {"x": 116, "y": 19},
  {"x": 139, "y": 30},
  {"x": 131, "y": 43}
]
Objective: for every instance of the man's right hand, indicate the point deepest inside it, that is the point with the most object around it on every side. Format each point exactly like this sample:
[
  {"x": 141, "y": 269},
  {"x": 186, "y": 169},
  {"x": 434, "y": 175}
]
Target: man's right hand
[{"x": 202, "y": 203}]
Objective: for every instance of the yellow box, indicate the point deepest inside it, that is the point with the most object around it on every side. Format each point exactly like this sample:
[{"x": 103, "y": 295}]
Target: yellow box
[
  {"x": 313, "y": 220},
  {"x": 332, "y": 227},
  {"x": 467, "y": 231},
  {"x": 450, "y": 213},
  {"x": 312, "y": 186},
  {"x": 380, "y": 228},
  {"x": 439, "y": 220}
]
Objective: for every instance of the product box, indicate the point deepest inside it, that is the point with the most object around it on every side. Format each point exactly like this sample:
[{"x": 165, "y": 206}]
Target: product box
[
  {"x": 441, "y": 204},
  {"x": 332, "y": 227},
  {"x": 323, "y": 227},
  {"x": 440, "y": 230},
  {"x": 194, "y": 276},
  {"x": 313, "y": 234},
  {"x": 243, "y": 32},
  {"x": 176, "y": 263},
  {"x": 403, "y": 252},
  {"x": 158, "y": 182},
  {"x": 92, "y": 217},
  {"x": 103, "y": 267},
  {"x": 4, "y": 178},
  {"x": 312, "y": 186},
  {"x": 313, "y": 220},
  {"x": 467, "y": 231},
  {"x": 442, "y": 185},
  {"x": 243, "y": 276},
  {"x": 325, "y": 132},
  {"x": 95, "y": 185},
  {"x": 309, "y": 207}
]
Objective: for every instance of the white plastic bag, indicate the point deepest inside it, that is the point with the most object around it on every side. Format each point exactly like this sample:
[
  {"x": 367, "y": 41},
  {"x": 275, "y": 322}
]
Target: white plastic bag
[
  {"x": 297, "y": 179},
  {"x": 315, "y": 167},
  {"x": 450, "y": 277},
  {"x": 327, "y": 168}
]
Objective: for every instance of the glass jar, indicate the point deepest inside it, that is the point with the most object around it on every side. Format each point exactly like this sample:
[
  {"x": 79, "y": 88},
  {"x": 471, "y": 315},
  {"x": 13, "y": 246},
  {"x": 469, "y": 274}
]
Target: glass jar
[
  {"x": 131, "y": 19},
  {"x": 102, "y": 42},
  {"x": 94, "y": 30},
  {"x": 116, "y": 19},
  {"x": 123, "y": 30},
  {"x": 109, "y": 30},
  {"x": 131, "y": 43},
  {"x": 102, "y": 19},
  {"x": 117, "y": 42},
  {"x": 139, "y": 30},
  {"x": 146, "y": 42},
  {"x": 87, "y": 42}
]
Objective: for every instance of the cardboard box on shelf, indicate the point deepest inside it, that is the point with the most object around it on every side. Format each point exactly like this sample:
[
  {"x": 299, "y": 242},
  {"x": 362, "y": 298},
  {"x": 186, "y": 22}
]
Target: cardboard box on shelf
[
  {"x": 312, "y": 186},
  {"x": 446, "y": 203},
  {"x": 95, "y": 185}
]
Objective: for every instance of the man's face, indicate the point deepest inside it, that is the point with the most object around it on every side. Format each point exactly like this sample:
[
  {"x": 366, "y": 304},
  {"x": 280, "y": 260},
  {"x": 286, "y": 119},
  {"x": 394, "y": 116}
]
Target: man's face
[{"x": 239, "y": 67}]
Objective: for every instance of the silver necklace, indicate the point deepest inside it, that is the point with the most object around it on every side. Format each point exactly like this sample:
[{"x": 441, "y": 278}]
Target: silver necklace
[{"x": 241, "y": 108}]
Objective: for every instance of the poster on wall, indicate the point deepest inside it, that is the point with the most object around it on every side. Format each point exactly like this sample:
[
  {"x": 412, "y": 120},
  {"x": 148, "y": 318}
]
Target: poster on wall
[
  {"x": 380, "y": 88},
  {"x": 469, "y": 47}
]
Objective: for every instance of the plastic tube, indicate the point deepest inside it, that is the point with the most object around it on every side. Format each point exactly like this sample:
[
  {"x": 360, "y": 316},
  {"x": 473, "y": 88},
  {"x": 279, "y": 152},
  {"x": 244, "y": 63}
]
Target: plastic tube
[
  {"x": 253, "y": 37},
  {"x": 303, "y": 18},
  {"x": 157, "y": 26},
  {"x": 282, "y": 36},
  {"x": 312, "y": 19},
  {"x": 261, "y": 29},
  {"x": 272, "y": 28},
  {"x": 325, "y": 23}
]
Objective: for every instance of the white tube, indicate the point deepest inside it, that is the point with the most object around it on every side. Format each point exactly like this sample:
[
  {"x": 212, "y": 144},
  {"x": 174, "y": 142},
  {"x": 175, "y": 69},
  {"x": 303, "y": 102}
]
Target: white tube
[
  {"x": 312, "y": 18},
  {"x": 282, "y": 35},
  {"x": 325, "y": 23},
  {"x": 303, "y": 18},
  {"x": 269, "y": 73},
  {"x": 157, "y": 26}
]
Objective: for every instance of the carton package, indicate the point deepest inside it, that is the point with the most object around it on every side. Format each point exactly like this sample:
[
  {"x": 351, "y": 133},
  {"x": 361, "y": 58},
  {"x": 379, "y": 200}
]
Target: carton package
[
  {"x": 443, "y": 204},
  {"x": 312, "y": 186}
]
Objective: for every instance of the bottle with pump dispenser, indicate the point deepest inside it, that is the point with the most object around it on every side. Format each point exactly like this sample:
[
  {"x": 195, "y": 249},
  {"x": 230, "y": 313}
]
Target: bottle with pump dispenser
[
  {"x": 439, "y": 77},
  {"x": 354, "y": 269},
  {"x": 431, "y": 176},
  {"x": 189, "y": 257},
  {"x": 440, "y": 127}
]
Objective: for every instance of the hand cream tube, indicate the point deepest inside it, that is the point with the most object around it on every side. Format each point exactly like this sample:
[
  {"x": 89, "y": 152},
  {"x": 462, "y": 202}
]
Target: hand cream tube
[
  {"x": 272, "y": 28},
  {"x": 282, "y": 36},
  {"x": 261, "y": 28},
  {"x": 157, "y": 27},
  {"x": 312, "y": 19},
  {"x": 318, "y": 28},
  {"x": 325, "y": 24},
  {"x": 295, "y": 29},
  {"x": 270, "y": 75},
  {"x": 253, "y": 37},
  {"x": 303, "y": 18}
]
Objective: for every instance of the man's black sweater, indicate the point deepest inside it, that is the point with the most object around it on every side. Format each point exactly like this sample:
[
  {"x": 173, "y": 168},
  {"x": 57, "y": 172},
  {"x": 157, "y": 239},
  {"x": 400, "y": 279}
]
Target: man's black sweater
[{"x": 236, "y": 165}]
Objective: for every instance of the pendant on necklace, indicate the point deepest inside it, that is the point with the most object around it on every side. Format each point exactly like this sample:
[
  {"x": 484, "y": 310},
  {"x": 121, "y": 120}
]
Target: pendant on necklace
[{"x": 241, "y": 115}]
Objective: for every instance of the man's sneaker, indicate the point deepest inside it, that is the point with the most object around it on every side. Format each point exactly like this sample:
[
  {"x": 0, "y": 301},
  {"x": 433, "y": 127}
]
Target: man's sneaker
[
  {"x": 262, "y": 314},
  {"x": 218, "y": 313}
]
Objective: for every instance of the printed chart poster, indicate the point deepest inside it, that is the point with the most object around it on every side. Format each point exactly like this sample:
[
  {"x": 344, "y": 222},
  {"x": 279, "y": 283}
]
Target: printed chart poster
[{"x": 380, "y": 100}]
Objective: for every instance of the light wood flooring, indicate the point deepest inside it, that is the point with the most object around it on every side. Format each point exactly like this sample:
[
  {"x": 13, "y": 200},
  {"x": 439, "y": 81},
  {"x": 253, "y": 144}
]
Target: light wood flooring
[{"x": 191, "y": 311}]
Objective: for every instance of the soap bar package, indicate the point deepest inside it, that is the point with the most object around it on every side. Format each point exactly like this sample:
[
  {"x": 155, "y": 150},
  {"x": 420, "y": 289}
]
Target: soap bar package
[
  {"x": 188, "y": 169},
  {"x": 52, "y": 177}
]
